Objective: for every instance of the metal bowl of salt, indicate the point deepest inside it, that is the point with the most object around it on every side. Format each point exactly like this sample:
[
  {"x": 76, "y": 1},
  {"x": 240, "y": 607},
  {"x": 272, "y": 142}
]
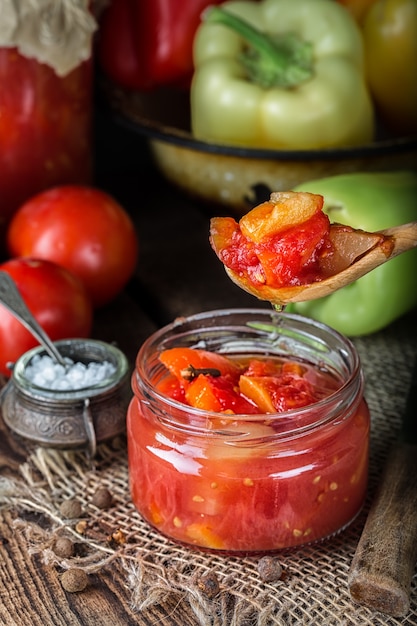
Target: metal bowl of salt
[{"x": 73, "y": 405}]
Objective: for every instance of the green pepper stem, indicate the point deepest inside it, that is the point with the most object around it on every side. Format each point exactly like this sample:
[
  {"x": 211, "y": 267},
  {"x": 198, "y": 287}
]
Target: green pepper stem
[{"x": 284, "y": 60}]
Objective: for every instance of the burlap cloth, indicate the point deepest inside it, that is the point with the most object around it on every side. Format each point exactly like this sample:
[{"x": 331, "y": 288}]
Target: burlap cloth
[{"x": 314, "y": 589}]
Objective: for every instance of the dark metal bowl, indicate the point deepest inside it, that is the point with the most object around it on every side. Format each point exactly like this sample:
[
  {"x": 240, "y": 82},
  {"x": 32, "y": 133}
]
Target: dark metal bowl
[{"x": 238, "y": 177}]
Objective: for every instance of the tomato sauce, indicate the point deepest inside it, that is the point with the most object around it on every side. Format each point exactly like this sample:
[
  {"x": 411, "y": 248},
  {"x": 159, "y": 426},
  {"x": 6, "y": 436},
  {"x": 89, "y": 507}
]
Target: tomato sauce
[{"x": 206, "y": 475}]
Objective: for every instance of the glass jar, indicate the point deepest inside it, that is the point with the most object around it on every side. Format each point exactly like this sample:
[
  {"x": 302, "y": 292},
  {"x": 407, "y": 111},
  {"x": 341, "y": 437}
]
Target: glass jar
[
  {"x": 255, "y": 483},
  {"x": 45, "y": 128},
  {"x": 72, "y": 418}
]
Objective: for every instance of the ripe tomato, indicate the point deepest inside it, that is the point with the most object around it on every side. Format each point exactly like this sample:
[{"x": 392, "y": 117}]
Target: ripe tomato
[
  {"x": 57, "y": 299},
  {"x": 83, "y": 229}
]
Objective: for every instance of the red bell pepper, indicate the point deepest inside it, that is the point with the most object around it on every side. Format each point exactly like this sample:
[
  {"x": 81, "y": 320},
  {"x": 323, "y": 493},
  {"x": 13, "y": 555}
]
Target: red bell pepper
[{"x": 143, "y": 45}]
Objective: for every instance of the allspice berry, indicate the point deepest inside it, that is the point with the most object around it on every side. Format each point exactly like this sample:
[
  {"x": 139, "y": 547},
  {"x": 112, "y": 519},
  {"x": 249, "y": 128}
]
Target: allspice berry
[
  {"x": 74, "y": 580},
  {"x": 269, "y": 569},
  {"x": 102, "y": 498},
  {"x": 71, "y": 508},
  {"x": 209, "y": 584},
  {"x": 64, "y": 547}
]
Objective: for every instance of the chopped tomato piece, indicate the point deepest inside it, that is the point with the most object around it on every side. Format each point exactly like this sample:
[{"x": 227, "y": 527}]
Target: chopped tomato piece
[
  {"x": 218, "y": 395},
  {"x": 279, "y": 243},
  {"x": 264, "y": 367},
  {"x": 292, "y": 257},
  {"x": 171, "y": 387},
  {"x": 275, "y": 394},
  {"x": 253, "y": 387},
  {"x": 212, "y": 382}
]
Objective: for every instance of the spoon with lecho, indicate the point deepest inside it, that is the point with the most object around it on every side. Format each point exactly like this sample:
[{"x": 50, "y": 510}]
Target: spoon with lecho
[{"x": 349, "y": 254}]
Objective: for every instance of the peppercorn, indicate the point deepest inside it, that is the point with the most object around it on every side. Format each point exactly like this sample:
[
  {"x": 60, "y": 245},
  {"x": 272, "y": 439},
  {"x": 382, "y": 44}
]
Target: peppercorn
[
  {"x": 63, "y": 547},
  {"x": 102, "y": 498},
  {"x": 71, "y": 508},
  {"x": 209, "y": 584},
  {"x": 269, "y": 569},
  {"x": 74, "y": 579}
]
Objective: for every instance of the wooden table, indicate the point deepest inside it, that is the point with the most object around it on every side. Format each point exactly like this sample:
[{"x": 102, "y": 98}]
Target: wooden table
[{"x": 177, "y": 274}]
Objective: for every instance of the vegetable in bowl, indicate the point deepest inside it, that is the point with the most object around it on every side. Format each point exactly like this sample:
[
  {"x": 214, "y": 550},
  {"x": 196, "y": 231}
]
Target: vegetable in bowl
[{"x": 280, "y": 74}]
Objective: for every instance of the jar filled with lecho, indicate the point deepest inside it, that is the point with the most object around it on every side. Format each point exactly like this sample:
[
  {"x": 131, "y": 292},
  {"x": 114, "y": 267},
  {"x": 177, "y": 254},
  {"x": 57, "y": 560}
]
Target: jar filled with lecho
[{"x": 248, "y": 431}]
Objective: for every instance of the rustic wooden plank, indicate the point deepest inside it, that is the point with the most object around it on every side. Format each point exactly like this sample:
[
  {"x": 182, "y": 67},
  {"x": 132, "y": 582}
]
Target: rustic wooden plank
[
  {"x": 31, "y": 593},
  {"x": 386, "y": 555}
]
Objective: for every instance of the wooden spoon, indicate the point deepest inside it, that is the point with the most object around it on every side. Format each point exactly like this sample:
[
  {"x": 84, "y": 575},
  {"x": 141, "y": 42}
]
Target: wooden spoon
[{"x": 357, "y": 252}]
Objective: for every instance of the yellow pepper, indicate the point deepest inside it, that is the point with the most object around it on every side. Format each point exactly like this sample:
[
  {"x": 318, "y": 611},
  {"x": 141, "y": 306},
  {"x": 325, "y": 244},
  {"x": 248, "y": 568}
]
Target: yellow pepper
[
  {"x": 283, "y": 74},
  {"x": 390, "y": 36}
]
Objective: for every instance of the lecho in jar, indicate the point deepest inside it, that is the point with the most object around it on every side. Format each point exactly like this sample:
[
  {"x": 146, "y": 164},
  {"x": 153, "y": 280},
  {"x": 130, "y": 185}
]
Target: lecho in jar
[{"x": 248, "y": 431}]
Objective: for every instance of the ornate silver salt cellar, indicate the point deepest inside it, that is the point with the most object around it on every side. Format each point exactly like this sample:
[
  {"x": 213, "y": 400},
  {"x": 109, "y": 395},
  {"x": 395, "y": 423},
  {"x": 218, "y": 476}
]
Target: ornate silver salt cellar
[
  {"x": 73, "y": 418},
  {"x": 69, "y": 418}
]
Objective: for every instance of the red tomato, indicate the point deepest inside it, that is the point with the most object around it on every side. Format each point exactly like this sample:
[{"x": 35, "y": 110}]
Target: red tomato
[
  {"x": 83, "y": 229},
  {"x": 57, "y": 299}
]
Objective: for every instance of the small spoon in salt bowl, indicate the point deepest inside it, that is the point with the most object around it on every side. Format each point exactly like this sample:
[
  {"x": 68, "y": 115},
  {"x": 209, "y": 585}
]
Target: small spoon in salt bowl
[
  {"x": 356, "y": 253},
  {"x": 13, "y": 301}
]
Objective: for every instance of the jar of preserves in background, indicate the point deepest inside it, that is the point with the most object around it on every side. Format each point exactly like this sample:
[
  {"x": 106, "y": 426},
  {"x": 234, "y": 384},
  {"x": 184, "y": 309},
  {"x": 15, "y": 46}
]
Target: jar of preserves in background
[
  {"x": 45, "y": 98},
  {"x": 254, "y": 482}
]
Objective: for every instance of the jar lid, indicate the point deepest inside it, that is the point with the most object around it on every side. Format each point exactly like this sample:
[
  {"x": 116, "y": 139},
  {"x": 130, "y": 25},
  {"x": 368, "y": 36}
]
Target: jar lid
[{"x": 58, "y": 33}]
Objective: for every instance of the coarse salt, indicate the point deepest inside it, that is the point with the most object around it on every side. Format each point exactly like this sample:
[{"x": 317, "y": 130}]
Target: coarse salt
[{"x": 44, "y": 372}]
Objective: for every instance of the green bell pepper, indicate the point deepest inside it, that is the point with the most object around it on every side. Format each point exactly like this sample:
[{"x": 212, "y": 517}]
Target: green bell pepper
[
  {"x": 370, "y": 201},
  {"x": 281, "y": 74}
]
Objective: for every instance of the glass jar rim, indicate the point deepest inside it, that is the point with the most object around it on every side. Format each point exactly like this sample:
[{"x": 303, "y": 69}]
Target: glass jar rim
[{"x": 324, "y": 407}]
